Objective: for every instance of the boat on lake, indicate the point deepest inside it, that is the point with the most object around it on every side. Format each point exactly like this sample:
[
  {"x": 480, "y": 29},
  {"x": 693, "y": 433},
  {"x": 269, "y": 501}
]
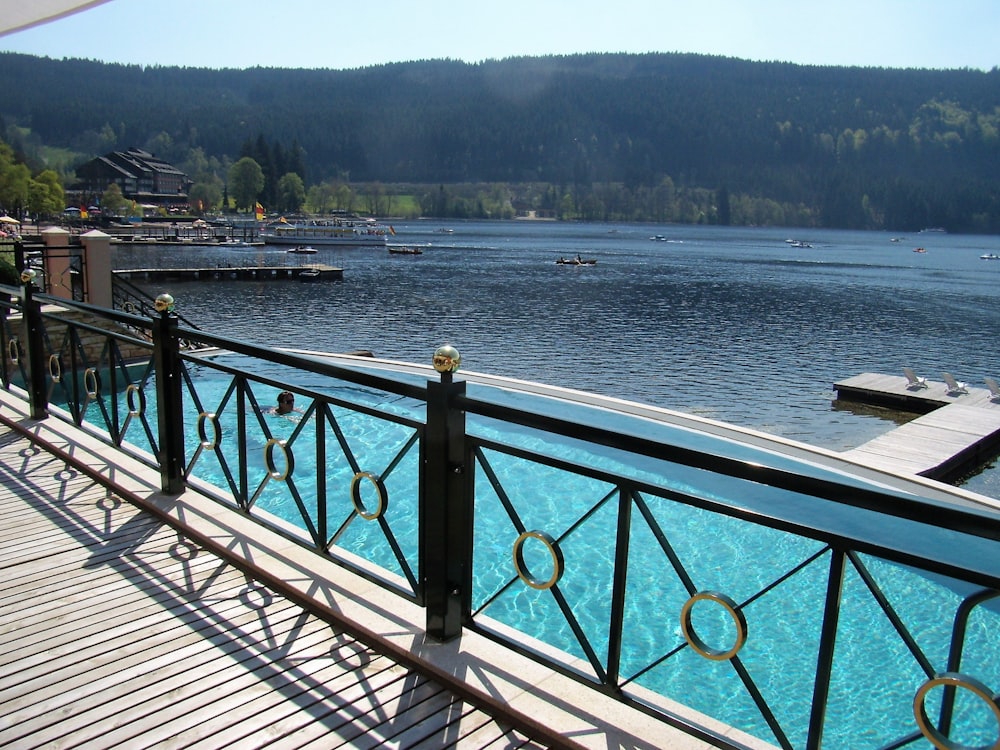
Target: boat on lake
[
  {"x": 400, "y": 250},
  {"x": 343, "y": 232},
  {"x": 302, "y": 250},
  {"x": 990, "y": 256},
  {"x": 310, "y": 274},
  {"x": 577, "y": 261}
]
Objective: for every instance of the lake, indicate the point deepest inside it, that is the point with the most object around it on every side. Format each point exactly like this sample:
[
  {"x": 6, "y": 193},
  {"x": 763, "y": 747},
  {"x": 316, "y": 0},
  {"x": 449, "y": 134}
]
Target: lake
[{"x": 732, "y": 324}]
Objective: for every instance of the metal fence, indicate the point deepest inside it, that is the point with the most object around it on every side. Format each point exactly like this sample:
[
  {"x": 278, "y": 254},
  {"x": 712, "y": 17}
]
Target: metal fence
[
  {"x": 800, "y": 603},
  {"x": 65, "y": 269}
]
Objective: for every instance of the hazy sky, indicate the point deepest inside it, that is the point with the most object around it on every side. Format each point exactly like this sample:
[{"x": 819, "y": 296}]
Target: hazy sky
[{"x": 338, "y": 34}]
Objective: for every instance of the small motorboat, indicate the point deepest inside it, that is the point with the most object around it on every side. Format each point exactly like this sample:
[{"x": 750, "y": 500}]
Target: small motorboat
[
  {"x": 302, "y": 250},
  {"x": 309, "y": 274},
  {"x": 919, "y": 250},
  {"x": 990, "y": 256},
  {"x": 406, "y": 251},
  {"x": 577, "y": 261}
]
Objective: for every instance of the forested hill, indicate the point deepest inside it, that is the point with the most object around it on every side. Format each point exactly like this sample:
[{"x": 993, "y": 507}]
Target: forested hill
[{"x": 852, "y": 146}]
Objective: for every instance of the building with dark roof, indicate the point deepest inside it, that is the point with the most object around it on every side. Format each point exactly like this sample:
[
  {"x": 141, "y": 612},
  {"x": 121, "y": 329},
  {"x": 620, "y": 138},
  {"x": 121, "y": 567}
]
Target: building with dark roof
[{"x": 140, "y": 175}]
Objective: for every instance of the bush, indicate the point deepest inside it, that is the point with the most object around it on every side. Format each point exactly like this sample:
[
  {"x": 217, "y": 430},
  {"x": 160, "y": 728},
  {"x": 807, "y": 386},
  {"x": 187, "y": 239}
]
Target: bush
[{"x": 8, "y": 274}]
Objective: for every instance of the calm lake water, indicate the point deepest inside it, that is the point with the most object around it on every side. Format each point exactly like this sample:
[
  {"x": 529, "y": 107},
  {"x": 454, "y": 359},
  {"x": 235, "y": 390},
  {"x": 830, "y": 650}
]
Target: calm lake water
[{"x": 732, "y": 324}]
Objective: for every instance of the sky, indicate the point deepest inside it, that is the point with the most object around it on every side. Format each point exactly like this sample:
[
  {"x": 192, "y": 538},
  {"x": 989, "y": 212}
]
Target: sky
[{"x": 340, "y": 35}]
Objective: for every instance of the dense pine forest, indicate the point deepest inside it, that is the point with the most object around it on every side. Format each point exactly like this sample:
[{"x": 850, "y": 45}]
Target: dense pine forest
[{"x": 657, "y": 137}]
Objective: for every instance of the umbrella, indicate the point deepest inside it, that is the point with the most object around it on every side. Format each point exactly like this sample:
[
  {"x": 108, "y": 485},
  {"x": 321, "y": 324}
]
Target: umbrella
[{"x": 8, "y": 220}]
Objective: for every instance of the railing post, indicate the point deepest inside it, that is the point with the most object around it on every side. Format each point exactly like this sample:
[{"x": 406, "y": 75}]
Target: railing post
[
  {"x": 446, "y": 524},
  {"x": 167, "y": 363},
  {"x": 827, "y": 642},
  {"x": 98, "y": 279},
  {"x": 34, "y": 348}
]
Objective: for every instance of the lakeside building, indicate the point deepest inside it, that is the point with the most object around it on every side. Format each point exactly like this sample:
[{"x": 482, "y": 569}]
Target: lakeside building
[{"x": 142, "y": 177}]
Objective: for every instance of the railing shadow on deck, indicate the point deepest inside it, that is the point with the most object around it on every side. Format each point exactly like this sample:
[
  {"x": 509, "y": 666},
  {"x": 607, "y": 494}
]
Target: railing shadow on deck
[
  {"x": 658, "y": 559},
  {"x": 234, "y": 615}
]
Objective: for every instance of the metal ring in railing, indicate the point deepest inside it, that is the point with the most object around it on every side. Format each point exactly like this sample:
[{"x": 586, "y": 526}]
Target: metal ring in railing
[
  {"x": 697, "y": 643},
  {"x": 91, "y": 382},
  {"x": 954, "y": 680},
  {"x": 133, "y": 410},
  {"x": 281, "y": 476},
  {"x": 359, "y": 505},
  {"x": 558, "y": 564},
  {"x": 129, "y": 307},
  {"x": 204, "y": 443},
  {"x": 203, "y": 436},
  {"x": 13, "y": 351},
  {"x": 55, "y": 368},
  {"x": 130, "y": 391}
]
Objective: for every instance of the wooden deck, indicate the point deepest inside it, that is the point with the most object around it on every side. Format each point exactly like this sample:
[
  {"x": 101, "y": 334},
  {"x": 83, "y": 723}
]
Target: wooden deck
[
  {"x": 953, "y": 435},
  {"x": 115, "y": 629},
  {"x": 135, "y": 619}
]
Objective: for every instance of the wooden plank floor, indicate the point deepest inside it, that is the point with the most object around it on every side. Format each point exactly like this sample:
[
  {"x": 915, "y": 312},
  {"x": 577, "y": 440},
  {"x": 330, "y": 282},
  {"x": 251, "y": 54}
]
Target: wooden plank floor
[
  {"x": 957, "y": 433},
  {"x": 117, "y": 631}
]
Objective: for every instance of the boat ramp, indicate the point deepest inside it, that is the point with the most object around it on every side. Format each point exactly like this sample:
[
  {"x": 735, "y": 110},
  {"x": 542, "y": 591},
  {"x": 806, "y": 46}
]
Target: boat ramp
[
  {"x": 954, "y": 433},
  {"x": 310, "y": 272}
]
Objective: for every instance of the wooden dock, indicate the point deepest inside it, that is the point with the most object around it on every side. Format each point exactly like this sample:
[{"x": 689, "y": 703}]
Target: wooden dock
[
  {"x": 305, "y": 272},
  {"x": 954, "y": 434}
]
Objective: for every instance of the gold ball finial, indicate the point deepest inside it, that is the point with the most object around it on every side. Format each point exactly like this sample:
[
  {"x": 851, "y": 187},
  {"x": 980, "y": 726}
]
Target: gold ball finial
[
  {"x": 28, "y": 275},
  {"x": 164, "y": 303},
  {"x": 446, "y": 359}
]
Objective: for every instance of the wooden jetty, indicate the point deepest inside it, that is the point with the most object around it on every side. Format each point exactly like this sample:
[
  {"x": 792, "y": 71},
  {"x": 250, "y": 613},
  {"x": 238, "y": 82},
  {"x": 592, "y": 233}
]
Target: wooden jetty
[
  {"x": 955, "y": 432},
  {"x": 306, "y": 272}
]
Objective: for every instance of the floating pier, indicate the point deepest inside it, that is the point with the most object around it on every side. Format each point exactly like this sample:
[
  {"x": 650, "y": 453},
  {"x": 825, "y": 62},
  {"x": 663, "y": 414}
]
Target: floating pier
[
  {"x": 956, "y": 432},
  {"x": 311, "y": 272}
]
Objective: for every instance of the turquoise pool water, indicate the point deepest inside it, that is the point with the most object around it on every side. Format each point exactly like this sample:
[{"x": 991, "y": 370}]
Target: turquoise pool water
[{"x": 876, "y": 674}]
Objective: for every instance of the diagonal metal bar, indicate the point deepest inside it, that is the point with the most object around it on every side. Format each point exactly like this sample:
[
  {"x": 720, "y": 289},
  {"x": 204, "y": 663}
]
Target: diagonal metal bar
[
  {"x": 761, "y": 703},
  {"x": 890, "y": 613},
  {"x": 661, "y": 539},
  {"x": 393, "y": 543}
]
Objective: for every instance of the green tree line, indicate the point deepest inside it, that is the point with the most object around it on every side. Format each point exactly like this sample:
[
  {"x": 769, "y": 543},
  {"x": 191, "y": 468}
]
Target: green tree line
[
  {"x": 657, "y": 137},
  {"x": 23, "y": 193}
]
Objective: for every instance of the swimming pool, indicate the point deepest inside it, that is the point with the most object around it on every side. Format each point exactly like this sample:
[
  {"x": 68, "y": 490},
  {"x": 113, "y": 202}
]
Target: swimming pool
[{"x": 688, "y": 529}]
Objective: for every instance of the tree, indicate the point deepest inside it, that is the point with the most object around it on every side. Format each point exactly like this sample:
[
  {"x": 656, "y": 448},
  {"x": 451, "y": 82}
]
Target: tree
[
  {"x": 246, "y": 181},
  {"x": 112, "y": 201},
  {"x": 319, "y": 198},
  {"x": 291, "y": 192},
  {"x": 45, "y": 194},
  {"x": 205, "y": 196},
  {"x": 725, "y": 215},
  {"x": 15, "y": 182}
]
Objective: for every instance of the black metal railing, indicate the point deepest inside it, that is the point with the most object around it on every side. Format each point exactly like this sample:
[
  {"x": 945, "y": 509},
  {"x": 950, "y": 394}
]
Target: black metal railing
[
  {"x": 798, "y": 603},
  {"x": 71, "y": 275}
]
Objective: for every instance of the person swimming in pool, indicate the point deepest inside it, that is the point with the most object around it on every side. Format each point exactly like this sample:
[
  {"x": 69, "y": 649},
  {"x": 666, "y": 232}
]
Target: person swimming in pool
[{"x": 285, "y": 405}]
